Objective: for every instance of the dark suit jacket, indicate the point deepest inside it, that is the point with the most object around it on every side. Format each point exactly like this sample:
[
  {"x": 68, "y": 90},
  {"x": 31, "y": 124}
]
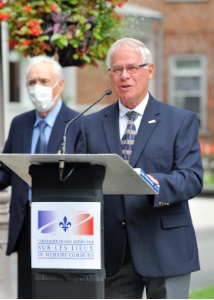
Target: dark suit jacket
[
  {"x": 159, "y": 228},
  {"x": 19, "y": 141}
]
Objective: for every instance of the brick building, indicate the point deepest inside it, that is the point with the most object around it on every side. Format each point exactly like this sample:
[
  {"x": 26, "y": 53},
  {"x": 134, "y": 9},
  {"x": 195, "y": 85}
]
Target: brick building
[
  {"x": 183, "y": 50},
  {"x": 180, "y": 34}
]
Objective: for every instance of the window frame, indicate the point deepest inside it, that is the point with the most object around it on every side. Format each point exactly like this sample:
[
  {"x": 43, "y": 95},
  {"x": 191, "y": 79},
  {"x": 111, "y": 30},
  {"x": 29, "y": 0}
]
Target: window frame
[{"x": 201, "y": 73}]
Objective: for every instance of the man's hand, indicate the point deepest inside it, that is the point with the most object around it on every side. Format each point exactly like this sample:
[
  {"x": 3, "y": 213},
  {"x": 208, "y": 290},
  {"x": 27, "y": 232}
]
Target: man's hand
[{"x": 153, "y": 179}]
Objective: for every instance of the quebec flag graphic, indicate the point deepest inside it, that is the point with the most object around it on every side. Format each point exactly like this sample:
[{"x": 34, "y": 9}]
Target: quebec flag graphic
[
  {"x": 72, "y": 222},
  {"x": 66, "y": 235}
]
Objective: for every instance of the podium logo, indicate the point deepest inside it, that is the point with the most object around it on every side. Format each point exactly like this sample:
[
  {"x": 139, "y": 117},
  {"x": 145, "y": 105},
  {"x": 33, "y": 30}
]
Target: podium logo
[
  {"x": 75, "y": 223},
  {"x": 65, "y": 225}
]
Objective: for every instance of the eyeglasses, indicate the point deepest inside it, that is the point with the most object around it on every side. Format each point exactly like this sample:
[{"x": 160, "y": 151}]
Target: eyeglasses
[{"x": 131, "y": 69}]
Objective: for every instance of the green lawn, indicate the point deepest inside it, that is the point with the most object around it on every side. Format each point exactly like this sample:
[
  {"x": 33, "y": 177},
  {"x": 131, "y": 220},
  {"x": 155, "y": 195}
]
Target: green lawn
[
  {"x": 206, "y": 293},
  {"x": 208, "y": 179}
]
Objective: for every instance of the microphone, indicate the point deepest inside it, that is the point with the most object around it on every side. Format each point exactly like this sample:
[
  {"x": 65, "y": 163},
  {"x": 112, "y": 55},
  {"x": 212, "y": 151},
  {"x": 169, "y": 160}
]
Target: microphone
[{"x": 63, "y": 144}]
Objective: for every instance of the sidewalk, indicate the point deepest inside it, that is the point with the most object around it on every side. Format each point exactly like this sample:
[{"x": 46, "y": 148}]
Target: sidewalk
[{"x": 202, "y": 209}]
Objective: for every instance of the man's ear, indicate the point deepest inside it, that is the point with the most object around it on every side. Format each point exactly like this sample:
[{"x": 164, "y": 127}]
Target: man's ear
[
  {"x": 151, "y": 70},
  {"x": 61, "y": 85}
]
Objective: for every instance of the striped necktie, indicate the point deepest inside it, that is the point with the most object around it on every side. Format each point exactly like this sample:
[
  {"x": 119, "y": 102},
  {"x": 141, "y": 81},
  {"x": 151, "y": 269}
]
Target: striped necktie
[
  {"x": 128, "y": 139},
  {"x": 41, "y": 146}
]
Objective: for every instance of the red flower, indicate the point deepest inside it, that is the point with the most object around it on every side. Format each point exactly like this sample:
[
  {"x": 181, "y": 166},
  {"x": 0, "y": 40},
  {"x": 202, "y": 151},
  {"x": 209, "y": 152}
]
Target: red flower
[
  {"x": 1, "y": 5},
  {"x": 117, "y": 16},
  {"x": 12, "y": 44},
  {"x": 26, "y": 42},
  {"x": 4, "y": 16},
  {"x": 27, "y": 8},
  {"x": 54, "y": 7},
  {"x": 33, "y": 23},
  {"x": 121, "y": 3},
  {"x": 35, "y": 31}
]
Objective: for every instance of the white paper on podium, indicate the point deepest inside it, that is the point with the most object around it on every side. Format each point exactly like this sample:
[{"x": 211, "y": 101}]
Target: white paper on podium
[
  {"x": 120, "y": 178},
  {"x": 65, "y": 235}
]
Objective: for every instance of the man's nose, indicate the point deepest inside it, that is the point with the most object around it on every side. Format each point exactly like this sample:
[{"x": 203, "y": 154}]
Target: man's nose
[{"x": 125, "y": 73}]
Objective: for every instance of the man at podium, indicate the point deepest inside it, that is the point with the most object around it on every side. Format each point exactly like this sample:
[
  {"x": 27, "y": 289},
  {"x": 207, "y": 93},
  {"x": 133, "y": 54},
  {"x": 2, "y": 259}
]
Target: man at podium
[
  {"x": 149, "y": 240},
  {"x": 36, "y": 131}
]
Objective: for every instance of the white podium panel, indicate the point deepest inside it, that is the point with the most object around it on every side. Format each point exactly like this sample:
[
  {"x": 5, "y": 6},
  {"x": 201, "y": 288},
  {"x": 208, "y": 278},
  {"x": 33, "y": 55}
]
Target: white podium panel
[
  {"x": 66, "y": 235},
  {"x": 120, "y": 177}
]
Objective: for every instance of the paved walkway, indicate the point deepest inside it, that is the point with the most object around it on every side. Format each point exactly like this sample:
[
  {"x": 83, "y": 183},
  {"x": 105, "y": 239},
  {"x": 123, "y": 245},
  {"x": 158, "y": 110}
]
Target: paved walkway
[{"x": 202, "y": 210}]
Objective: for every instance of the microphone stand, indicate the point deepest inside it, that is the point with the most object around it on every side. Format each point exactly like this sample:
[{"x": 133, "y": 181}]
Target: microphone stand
[{"x": 63, "y": 144}]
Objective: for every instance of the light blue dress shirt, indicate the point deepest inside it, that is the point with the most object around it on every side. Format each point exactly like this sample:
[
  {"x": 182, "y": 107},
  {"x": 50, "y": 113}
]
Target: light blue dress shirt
[{"x": 50, "y": 120}]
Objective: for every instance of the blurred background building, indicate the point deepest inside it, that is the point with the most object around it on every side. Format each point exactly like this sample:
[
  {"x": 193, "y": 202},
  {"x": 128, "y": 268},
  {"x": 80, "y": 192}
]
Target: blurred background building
[{"x": 180, "y": 34}]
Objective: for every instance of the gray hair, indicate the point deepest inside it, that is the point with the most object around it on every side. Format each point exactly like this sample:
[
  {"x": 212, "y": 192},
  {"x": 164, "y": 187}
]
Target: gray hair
[
  {"x": 130, "y": 43},
  {"x": 46, "y": 59}
]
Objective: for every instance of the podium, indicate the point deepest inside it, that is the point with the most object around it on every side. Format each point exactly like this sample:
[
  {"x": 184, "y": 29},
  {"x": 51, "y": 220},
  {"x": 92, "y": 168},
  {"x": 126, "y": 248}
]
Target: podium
[{"x": 67, "y": 234}]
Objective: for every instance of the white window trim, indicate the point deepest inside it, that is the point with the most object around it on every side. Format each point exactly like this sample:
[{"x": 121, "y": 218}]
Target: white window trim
[{"x": 203, "y": 90}]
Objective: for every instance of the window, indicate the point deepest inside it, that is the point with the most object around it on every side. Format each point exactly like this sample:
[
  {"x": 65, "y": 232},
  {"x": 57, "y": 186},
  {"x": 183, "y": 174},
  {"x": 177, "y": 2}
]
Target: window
[
  {"x": 14, "y": 77},
  {"x": 188, "y": 84},
  {"x": 14, "y": 82}
]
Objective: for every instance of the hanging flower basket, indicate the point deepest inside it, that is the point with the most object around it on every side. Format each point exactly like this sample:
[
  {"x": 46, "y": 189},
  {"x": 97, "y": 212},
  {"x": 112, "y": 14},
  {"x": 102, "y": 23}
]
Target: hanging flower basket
[{"x": 76, "y": 32}]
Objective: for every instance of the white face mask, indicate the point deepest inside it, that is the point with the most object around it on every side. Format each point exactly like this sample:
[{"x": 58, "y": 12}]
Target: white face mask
[{"x": 41, "y": 96}]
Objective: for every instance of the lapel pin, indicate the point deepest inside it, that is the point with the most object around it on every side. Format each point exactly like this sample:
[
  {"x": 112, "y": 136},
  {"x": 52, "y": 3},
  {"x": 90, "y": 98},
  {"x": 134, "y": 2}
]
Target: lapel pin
[{"x": 151, "y": 121}]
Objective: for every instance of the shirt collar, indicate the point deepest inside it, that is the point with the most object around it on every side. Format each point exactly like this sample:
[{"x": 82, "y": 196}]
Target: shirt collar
[
  {"x": 139, "y": 109},
  {"x": 51, "y": 117}
]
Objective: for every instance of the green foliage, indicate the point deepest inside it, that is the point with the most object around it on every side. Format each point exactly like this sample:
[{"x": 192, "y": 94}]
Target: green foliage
[
  {"x": 208, "y": 179},
  {"x": 206, "y": 293},
  {"x": 208, "y": 164},
  {"x": 36, "y": 27}
]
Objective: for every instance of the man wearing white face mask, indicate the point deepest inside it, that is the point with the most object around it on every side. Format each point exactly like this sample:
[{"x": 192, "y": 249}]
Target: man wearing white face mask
[
  {"x": 41, "y": 96},
  {"x": 45, "y": 84}
]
